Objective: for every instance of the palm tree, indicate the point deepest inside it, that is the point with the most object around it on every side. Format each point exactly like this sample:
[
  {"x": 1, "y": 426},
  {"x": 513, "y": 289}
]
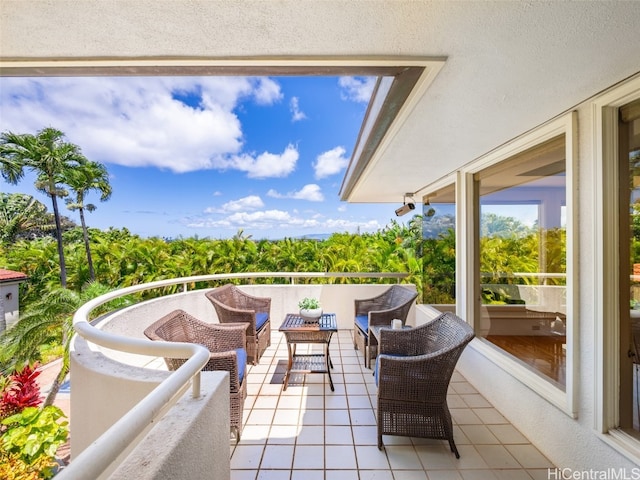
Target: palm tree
[
  {"x": 88, "y": 176},
  {"x": 46, "y": 320},
  {"x": 50, "y": 157},
  {"x": 20, "y": 213}
]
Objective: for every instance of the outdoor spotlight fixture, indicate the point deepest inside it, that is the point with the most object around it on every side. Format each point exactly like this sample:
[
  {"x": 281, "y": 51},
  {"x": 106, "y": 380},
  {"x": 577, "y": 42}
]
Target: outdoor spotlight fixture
[
  {"x": 406, "y": 207},
  {"x": 429, "y": 212}
]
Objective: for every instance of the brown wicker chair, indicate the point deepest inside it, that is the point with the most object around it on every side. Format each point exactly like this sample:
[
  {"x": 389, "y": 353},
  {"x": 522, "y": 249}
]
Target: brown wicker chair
[
  {"x": 413, "y": 371},
  {"x": 233, "y": 305},
  {"x": 226, "y": 344},
  {"x": 393, "y": 303}
]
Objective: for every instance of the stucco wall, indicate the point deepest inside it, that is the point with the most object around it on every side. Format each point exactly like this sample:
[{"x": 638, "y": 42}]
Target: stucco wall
[
  {"x": 338, "y": 299},
  {"x": 191, "y": 441},
  {"x": 105, "y": 389},
  {"x": 9, "y": 293},
  {"x": 568, "y": 443}
]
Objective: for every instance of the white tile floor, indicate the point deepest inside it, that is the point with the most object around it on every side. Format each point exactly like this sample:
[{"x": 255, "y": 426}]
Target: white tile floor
[{"x": 312, "y": 433}]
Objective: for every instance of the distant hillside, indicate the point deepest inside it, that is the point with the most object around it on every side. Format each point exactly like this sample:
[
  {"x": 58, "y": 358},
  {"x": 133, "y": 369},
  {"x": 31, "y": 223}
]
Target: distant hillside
[{"x": 315, "y": 236}]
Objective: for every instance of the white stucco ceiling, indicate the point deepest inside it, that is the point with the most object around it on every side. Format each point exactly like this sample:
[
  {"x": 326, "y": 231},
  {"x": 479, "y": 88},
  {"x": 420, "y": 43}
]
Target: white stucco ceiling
[{"x": 510, "y": 66}]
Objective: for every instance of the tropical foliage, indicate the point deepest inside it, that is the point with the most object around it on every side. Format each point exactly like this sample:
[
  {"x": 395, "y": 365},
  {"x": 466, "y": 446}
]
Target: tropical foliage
[
  {"x": 51, "y": 158},
  {"x": 22, "y": 216},
  {"x": 509, "y": 250},
  {"x": 48, "y": 320},
  {"x": 88, "y": 176},
  {"x": 123, "y": 259},
  {"x": 29, "y": 435},
  {"x": 118, "y": 258}
]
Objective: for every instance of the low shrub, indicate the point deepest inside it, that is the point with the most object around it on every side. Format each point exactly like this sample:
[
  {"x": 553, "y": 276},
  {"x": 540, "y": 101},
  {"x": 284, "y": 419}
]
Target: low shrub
[{"x": 29, "y": 435}]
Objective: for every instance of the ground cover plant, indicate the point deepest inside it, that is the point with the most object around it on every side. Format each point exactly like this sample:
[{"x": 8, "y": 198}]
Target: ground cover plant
[{"x": 29, "y": 435}]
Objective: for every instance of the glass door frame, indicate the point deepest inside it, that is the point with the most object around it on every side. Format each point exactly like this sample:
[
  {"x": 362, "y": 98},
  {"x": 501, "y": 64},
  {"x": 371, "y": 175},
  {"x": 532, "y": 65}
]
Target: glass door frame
[
  {"x": 468, "y": 214},
  {"x": 606, "y": 205}
]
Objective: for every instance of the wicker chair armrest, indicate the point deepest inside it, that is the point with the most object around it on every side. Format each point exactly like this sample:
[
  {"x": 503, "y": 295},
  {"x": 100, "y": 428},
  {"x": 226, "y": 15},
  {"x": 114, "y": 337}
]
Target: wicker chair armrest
[
  {"x": 237, "y": 310},
  {"x": 401, "y": 342},
  {"x": 410, "y": 362},
  {"x": 225, "y": 361},
  {"x": 365, "y": 305},
  {"x": 227, "y": 314},
  {"x": 259, "y": 304},
  {"x": 385, "y": 307},
  {"x": 384, "y": 317},
  {"x": 413, "y": 377},
  {"x": 229, "y": 336}
]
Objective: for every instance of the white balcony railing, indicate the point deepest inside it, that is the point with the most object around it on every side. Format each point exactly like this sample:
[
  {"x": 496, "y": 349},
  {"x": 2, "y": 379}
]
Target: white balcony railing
[{"x": 105, "y": 450}]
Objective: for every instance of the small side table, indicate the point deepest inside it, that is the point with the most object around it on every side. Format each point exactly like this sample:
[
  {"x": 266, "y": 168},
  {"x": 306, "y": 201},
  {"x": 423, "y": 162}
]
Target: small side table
[{"x": 296, "y": 330}]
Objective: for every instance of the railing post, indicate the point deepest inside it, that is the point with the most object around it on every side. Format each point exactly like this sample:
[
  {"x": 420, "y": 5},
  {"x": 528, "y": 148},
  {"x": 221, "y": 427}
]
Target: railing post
[{"x": 195, "y": 385}]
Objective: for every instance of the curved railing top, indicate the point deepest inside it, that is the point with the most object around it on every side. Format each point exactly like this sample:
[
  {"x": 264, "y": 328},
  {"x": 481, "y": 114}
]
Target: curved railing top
[{"x": 100, "y": 454}]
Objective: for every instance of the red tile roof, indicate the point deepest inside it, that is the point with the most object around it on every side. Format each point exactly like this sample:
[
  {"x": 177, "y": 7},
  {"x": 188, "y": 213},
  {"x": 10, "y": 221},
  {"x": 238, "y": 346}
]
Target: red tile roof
[{"x": 11, "y": 276}]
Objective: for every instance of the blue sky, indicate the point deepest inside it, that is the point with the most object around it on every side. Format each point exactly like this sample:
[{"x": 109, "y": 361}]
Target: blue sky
[{"x": 207, "y": 156}]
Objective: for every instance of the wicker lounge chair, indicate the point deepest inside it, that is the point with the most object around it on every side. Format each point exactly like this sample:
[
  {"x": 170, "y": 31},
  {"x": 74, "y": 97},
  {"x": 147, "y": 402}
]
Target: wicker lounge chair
[
  {"x": 226, "y": 344},
  {"x": 233, "y": 305},
  {"x": 393, "y": 303},
  {"x": 413, "y": 371}
]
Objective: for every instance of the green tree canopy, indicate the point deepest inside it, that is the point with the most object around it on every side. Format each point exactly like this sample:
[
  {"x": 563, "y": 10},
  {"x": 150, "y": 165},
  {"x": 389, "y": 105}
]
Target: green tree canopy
[
  {"x": 50, "y": 157},
  {"x": 22, "y": 216},
  {"x": 493, "y": 225},
  {"x": 86, "y": 177}
]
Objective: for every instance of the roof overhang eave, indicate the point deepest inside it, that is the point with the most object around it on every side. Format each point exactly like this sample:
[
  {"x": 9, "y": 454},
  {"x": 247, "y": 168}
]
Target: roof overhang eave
[{"x": 392, "y": 101}]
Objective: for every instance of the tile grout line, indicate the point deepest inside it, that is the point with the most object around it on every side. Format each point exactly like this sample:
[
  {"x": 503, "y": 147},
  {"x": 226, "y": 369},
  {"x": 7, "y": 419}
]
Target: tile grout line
[{"x": 340, "y": 346}]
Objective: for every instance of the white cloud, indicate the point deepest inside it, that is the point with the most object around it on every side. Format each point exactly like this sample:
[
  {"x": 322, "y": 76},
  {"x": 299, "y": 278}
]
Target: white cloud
[
  {"x": 261, "y": 217},
  {"x": 252, "y": 202},
  {"x": 357, "y": 89},
  {"x": 330, "y": 162},
  {"x": 310, "y": 192},
  {"x": 265, "y": 165},
  {"x": 215, "y": 92},
  {"x": 344, "y": 225},
  {"x": 261, "y": 220},
  {"x": 269, "y": 221},
  {"x": 180, "y": 124},
  {"x": 296, "y": 113},
  {"x": 267, "y": 91}
]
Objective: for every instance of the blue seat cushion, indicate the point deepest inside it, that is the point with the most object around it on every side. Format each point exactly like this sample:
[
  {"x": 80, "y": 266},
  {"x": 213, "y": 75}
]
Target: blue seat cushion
[
  {"x": 261, "y": 319},
  {"x": 241, "y": 354},
  {"x": 362, "y": 321}
]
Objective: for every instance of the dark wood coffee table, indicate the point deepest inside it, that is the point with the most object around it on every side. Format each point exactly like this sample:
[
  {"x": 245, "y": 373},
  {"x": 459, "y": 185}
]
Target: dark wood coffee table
[{"x": 297, "y": 330}]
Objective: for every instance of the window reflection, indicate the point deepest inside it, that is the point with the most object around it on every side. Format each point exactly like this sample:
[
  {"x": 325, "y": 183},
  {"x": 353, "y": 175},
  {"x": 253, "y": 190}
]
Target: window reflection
[
  {"x": 522, "y": 246},
  {"x": 439, "y": 249},
  {"x": 629, "y": 182}
]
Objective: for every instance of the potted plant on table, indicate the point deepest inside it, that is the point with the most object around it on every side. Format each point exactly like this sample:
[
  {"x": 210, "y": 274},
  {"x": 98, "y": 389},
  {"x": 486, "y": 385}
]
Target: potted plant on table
[{"x": 310, "y": 308}]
